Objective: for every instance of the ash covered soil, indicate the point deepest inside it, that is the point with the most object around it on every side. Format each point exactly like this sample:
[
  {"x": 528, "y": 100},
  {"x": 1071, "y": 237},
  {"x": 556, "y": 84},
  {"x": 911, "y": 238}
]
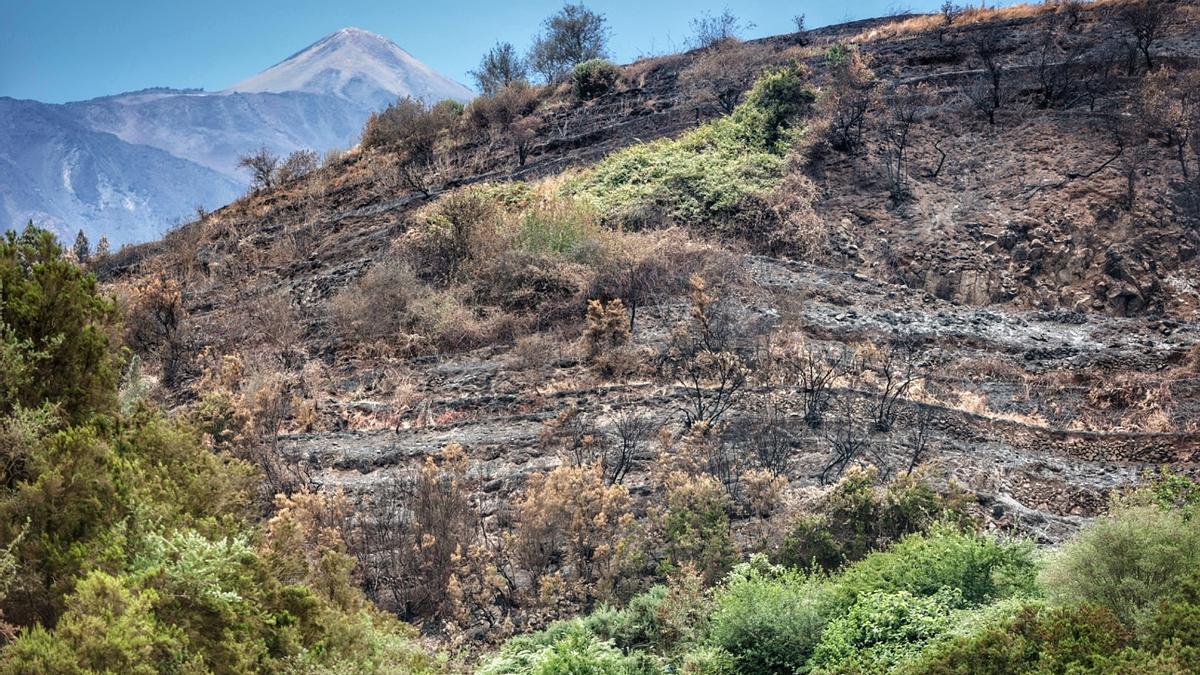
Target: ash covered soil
[{"x": 1027, "y": 459}]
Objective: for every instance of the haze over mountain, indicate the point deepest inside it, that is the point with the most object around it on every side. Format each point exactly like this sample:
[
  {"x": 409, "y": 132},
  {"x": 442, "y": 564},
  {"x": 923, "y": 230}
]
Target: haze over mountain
[{"x": 127, "y": 166}]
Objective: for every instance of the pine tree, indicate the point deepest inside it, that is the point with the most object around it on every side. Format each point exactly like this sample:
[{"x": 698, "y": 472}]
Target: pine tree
[{"x": 82, "y": 247}]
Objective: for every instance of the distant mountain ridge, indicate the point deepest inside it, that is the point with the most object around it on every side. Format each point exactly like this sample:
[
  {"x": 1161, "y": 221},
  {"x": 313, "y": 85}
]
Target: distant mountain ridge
[{"x": 130, "y": 165}]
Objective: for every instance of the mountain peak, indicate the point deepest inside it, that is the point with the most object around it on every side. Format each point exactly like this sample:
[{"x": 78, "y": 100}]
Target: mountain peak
[
  {"x": 357, "y": 65},
  {"x": 355, "y": 31}
]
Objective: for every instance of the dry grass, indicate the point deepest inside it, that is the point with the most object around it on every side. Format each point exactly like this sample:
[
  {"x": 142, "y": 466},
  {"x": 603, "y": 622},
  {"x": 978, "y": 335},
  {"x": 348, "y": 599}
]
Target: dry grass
[{"x": 970, "y": 16}]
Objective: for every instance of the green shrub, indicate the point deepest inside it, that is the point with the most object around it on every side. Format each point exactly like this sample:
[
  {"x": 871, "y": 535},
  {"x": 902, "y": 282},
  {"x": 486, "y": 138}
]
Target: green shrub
[
  {"x": 1074, "y": 639},
  {"x": 54, "y": 321},
  {"x": 130, "y": 539},
  {"x": 883, "y": 629},
  {"x": 1175, "y": 625},
  {"x": 716, "y": 175},
  {"x": 709, "y": 661},
  {"x": 858, "y": 517},
  {"x": 697, "y": 527},
  {"x": 594, "y": 78},
  {"x": 1127, "y": 562},
  {"x": 190, "y": 603},
  {"x": 811, "y": 544},
  {"x": 565, "y": 228},
  {"x": 773, "y": 107},
  {"x": 665, "y": 620},
  {"x": 106, "y": 628},
  {"x": 981, "y": 567},
  {"x": 638, "y": 625},
  {"x": 770, "y": 619},
  {"x": 567, "y": 648}
]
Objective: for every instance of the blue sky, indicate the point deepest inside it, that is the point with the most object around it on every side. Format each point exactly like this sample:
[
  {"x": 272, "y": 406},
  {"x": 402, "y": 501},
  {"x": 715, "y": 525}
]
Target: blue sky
[{"x": 55, "y": 50}]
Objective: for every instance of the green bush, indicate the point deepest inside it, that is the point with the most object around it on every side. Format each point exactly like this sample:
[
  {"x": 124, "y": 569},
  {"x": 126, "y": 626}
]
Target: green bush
[
  {"x": 567, "y": 229},
  {"x": 1175, "y": 625},
  {"x": 568, "y": 648},
  {"x": 770, "y": 619},
  {"x": 666, "y": 620},
  {"x": 981, "y": 567},
  {"x": 594, "y": 78},
  {"x": 811, "y": 544},
  {"x": 1079, "y": 639},
  {"x": 53, "y": 323},
  {"x": 638, "y": 625},
  {"x": 716, "y": 175},
  {"x": 193, "y": 604},
  {"x": 858, "y": 517},
  {"x": 1127, "y": 562},
  {"x": 883, "y": 629},
  {"x": 709, "y": 661},
  {"x": 773, "y": 107},
  {"x": 696, "y": 525}
]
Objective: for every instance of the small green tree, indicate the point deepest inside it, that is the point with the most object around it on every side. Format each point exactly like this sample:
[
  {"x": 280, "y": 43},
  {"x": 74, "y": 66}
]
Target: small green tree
[
  {"x": 696, "y": 525},
  {"x": 82, "y": 248},
  {"x": 499, "y": 67},
  {"x": 574, "y": 35},
  {"x": 1126, "y": 563},
  {"x": 54, "y": 310},
  {"x": 594, "y": 78}
]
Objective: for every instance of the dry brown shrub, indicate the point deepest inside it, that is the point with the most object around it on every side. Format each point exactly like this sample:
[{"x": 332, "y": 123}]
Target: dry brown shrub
[
  {"x": 379, "y": 305},
  {"x": 460, "y": 227},
  {"x": 533, "y": 352},
  {"x": 510, "y": 114},
  {"x": 304, "y": 529},
  {"x": 637, "y": 72},
  {"x": 570, "y": 532},
  {"x": 1191, "y": 360},
  {"x": 477, "y": 589},
  {"x": 245, "y": 410},
  {"x": 443, "y": 321},
  {"x": 522, "y": 281},
  {"x": 574, "y": 435},
  {"x": 791, "y": 226},
  {"x": 848, "y": 99},
  {"x": 408, "y": 536},
  {"x": 763, "y": 491},
  {"x": 606, "y": 336},
  {"x": 272, "y": 318},
  {"x": 643, "y": 268},
  {"x": 968, "y": 16},
  {"x": 154, "y": 318}
]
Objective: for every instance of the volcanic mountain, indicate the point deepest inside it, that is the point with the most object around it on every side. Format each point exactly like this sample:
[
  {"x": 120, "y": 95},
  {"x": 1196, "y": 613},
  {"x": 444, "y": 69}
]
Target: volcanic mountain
[{"x": 358, "y": 66}]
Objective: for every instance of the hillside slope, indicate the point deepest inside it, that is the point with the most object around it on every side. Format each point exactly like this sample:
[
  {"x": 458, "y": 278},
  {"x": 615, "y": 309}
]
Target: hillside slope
[{"x": 1017, "y": 314}]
